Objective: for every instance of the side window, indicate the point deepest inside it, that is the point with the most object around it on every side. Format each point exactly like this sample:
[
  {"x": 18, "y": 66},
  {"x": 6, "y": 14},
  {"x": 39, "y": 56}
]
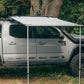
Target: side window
[
  {"x": 19, "y": 31},
  {"x": 47, "y": 32}
]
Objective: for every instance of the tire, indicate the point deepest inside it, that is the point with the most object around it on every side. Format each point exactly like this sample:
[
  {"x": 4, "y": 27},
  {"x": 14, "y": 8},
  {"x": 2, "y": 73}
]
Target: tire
[{"x": 74, "y": 65}]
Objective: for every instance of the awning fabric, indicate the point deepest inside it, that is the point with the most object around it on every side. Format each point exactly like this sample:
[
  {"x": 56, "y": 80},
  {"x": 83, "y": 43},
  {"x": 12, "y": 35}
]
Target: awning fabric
[{"x": 42, "y": 21}]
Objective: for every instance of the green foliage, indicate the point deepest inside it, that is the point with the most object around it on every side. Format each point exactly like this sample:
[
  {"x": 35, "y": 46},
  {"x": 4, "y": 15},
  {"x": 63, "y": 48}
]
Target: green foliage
[
  {"x": 40, "y": 2},
  {"x": 38, "y": 13},
  {"x": 2, "y": 8},
  {"x": 73, "y": 11},
  {"x": 14, "y": 7},
  {"x": 48, "y": 70},
  {"x": 13, "y": 72}
]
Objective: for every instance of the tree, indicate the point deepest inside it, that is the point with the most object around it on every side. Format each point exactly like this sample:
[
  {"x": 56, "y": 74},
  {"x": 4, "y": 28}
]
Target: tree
[
  {"x": 14, "y": 7},
  {"x": 34, "y": 7},
  {"x": 48, "y": 7},
  {"x": 51, "y": 7}
]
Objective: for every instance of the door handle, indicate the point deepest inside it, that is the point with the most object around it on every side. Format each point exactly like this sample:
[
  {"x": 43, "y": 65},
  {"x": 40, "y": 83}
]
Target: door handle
[
  {"x": 41, "y": 43},
  {"x": 12, "y": 43}
]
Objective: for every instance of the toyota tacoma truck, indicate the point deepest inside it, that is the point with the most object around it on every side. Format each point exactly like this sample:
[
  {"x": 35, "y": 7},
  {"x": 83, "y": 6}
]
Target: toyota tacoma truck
[{"x": 47, "y": 45}]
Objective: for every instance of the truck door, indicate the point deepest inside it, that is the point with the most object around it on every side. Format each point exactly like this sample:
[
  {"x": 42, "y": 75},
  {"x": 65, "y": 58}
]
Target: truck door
[
  {"x": 49, "y": 48},
  {"x": 15, "y": 45}
]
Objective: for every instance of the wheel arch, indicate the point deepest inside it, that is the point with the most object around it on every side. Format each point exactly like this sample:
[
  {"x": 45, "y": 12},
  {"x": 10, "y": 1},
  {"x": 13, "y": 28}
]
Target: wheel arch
[{"x": 75, "y": 52}]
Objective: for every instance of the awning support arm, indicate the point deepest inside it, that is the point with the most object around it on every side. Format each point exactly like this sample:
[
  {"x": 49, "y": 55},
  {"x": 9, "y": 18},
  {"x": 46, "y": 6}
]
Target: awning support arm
[
  {"x": 27, "y": 54},
  {"x": 80, "y": 56}
]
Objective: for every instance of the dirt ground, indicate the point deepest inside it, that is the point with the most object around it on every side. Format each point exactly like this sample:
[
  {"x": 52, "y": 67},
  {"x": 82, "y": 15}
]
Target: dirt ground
[{"x": 13, "y": 81}]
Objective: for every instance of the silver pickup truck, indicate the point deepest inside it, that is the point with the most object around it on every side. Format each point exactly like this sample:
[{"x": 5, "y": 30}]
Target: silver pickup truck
[{"x": 47, "y": 45}]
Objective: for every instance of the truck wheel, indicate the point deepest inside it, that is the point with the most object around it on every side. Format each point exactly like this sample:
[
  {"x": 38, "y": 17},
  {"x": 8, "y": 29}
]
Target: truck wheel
[{"x": 74, "y": 65}]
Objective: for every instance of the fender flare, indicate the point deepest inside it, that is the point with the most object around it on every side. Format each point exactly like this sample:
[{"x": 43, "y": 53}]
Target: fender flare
[{"x": 75, "y": 51}]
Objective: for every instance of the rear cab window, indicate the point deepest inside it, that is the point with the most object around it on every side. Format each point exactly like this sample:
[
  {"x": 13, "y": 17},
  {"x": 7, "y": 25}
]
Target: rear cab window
[{"x": 19, "y": 31}]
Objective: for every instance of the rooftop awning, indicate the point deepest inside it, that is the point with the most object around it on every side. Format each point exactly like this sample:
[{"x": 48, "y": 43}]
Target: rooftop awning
[{"x": 42, "y": 21}]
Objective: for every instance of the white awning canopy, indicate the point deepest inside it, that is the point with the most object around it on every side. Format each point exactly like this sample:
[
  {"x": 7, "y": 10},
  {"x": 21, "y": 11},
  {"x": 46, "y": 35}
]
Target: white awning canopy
[{"x": 42, "y": 21}]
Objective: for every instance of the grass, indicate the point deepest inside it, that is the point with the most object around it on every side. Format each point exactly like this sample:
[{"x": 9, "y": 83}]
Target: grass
[
  {"x": 13, "y": 72},
  {"x": 52, "y": 74},
  {"x": 13, "y": 75},
  {"x": 42, "y": 74},
  {"x": 48, "y": 70}
]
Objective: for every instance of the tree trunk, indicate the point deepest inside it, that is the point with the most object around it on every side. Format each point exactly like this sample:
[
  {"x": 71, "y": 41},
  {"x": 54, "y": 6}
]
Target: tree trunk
[
  {"x": 34, "y": 7},
  {"x": 51, "y": 7}
]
